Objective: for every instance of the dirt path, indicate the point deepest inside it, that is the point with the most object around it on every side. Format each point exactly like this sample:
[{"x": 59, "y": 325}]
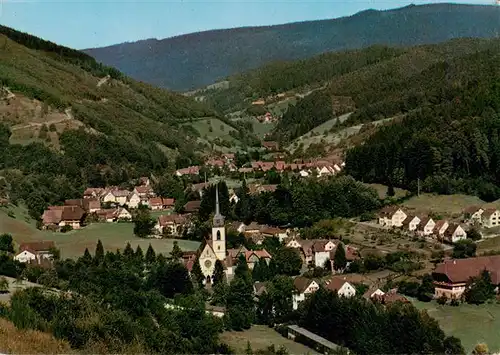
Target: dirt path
[
  {"x": 103, "y": 81},
  {"x": 69, "y": 117}
]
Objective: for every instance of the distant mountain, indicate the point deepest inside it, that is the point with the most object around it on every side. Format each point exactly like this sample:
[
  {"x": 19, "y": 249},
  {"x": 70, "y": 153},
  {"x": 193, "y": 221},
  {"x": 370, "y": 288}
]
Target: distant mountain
[{"x": 198, "y": 59}]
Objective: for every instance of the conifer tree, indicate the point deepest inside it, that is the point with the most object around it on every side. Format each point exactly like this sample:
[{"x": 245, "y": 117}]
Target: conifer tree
[
  {"x": 128, "y": 253},
  {"x": 139, "y": 255},
  {"x": 99, "y": 252},
  {"x": 176, "y": 252},
  {"x": 339, "y": 259},
  {"x": 196, "y": 274},
  {"x": 218, "y": 275},
  {"x": 86, "y": 259},
  {"x": 150, "y": 255}
]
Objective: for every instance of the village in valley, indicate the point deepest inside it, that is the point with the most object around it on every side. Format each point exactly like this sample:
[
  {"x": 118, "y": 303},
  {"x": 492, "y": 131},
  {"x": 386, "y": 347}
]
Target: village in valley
[{"x": 358, "y": 259}]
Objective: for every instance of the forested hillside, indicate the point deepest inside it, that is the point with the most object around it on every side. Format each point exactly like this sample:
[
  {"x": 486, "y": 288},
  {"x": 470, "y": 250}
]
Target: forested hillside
[
  {"x": 125, "y": 126},
  {"x": 181, "y": 62},
  {"x": 450, "y": 138}
]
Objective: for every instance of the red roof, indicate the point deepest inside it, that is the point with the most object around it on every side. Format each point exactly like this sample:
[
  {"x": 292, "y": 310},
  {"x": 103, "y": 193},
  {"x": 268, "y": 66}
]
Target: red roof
[
  {"x": 169, "y": 202},
  {"x": 301, "y": 283},
  {"x": 461, "y": 270},
  {"x": 155, "y": 201},
  {"x": 335, "y": 283},
  {"x": 172, "y": 218},
  {"x": 37, "y": 246},
  {"x": 192, "y": 206}
]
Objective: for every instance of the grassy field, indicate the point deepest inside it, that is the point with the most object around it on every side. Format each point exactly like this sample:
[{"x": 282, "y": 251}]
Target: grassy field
[
  {"x": 382, "y": 191},
  {"x": 219, "y": 129},
  {"x": 472, "y": 324},
  {"x": 445, "y": 205},
  {"x": 260, "y": 337},
  {"x": 72, "y": 244}
]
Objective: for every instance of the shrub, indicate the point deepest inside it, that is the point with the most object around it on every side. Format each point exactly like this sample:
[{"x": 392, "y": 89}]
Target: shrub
[
  {"x": 66, "y": 228},
  {"x": 442, "y": 300}
]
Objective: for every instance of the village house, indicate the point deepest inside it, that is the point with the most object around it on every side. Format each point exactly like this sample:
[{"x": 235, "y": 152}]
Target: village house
[
  {"x": 426, "y": 226},
  {"x": 259, "y": 288},
  {"x": 199, "y": 188},
  {"x": 122, "y": 214},
  {"x": 134, "y": 200},
  {"x": 93, "y": 192},
  {"x": 440, "y": 228},
  {"x": 303, "y": 288},
  {"x": 56, "y": 217},
  {"x": 340, "y": 285},
  {"x": 392, "y": 216},
  {"x": 473, "y": 215},
  {"x": 254, "y": 256},
  {"x": 322, "y": 250},
  {"x": 452, "y": 276},
  {"x": 160, "y": 203},
  {"x": 35, "y": 252},
  {"x": 411, "y": 223},
  {"x": 89, "y": 205},
  {"x": 454, "y": 233},
  {"x": 107, "y": 215},
  {"x": 270, "y": 232},
  {"x": 172, "y": 224},
  {"x": 233, "y": 197},
  {"x": 490, "y": 218},
  {"x": 144, "y": 191},
  {"x": 373, "y": 293},
  {"x": 192, "y": 170}
]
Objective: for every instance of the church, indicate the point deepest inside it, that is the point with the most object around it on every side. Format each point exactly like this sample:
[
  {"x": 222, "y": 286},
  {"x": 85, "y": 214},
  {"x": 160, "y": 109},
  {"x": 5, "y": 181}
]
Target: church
[{"x": 215, "y": 249}]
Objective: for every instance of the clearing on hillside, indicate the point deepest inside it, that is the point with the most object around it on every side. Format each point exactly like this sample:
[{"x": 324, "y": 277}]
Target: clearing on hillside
[
  {"x": 261, "y": 337},
  {"x": 450, "y": 206},
  {"x": 72, "y": 244}
]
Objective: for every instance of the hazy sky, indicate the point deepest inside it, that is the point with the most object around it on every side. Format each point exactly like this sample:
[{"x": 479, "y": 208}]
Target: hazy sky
[{"x": 94, "y": 23}]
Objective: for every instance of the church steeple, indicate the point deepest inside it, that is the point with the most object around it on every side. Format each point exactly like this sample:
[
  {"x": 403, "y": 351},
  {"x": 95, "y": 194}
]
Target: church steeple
[{"x": 218, "y": 220}]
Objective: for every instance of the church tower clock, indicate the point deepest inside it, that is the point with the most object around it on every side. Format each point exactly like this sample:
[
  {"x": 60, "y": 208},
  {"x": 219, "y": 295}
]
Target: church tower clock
[{"x": 218, "y": 230}]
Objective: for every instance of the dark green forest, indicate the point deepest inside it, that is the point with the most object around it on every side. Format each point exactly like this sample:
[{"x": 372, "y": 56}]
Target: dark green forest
[{"x": 451, "y": 146}]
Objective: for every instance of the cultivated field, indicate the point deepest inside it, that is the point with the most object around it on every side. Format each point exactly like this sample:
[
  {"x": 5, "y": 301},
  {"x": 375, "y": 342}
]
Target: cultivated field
[
  {"x": 260, "y": 337},
  {"x": 472, "y": 324},
  {"x": 72, "y": 244}
]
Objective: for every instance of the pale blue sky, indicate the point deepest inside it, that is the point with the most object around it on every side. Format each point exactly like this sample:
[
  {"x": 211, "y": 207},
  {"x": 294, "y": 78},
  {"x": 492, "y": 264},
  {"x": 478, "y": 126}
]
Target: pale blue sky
[{"x": 94, "y": 23}]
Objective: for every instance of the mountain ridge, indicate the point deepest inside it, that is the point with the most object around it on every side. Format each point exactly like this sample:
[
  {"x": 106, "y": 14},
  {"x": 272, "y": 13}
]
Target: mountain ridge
[{"x": 181, "y": 62}]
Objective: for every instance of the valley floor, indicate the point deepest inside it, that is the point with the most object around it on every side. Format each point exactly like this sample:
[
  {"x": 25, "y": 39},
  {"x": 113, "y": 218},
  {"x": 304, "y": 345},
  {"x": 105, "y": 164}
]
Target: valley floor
[{"x": 72, "y": 244}]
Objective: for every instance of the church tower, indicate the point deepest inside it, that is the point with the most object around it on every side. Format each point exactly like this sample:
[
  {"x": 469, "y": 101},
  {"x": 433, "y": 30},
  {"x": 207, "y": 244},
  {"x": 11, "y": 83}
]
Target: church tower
[{"x": 218, "y": 230}]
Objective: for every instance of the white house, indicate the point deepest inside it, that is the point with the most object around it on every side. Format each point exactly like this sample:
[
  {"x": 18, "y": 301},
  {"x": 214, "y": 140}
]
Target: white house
[
  {"x": 293, "y": 243},
  {"x": 108, "y": 197},
  {"x": 340, "y": 285},
  {"x": 473, "y": 215},
  {"x": 454, "y": 233},
  {"x": 134, "y": 200},
  {"x": 426, "y": 226},
  {"x": 121, "y": 196},
  {"x": 392, "y": 216},
  {"x": 304, "y": 173},
  {"x": 34, "y": 252},
  {"x": 411, "y": 223},
  {"x": 373, "y": 292},
  {"x": 491, "y": 218},
  {"x": 233, "y": 198},
  {"x": 123, "y": 214},
  {"x": 303, "y": 288},
  {"x": 440, "y": 228},
  {"x": 322, "y": 249}
]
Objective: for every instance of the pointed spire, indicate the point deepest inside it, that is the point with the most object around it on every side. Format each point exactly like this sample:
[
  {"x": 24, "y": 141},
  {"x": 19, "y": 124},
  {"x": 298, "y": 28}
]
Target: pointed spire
[{"x": 217, "y": 211}]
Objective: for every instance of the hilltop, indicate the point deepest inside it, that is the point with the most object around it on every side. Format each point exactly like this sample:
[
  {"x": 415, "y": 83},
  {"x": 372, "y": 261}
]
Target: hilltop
[{"x": 181, "y": 62}]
